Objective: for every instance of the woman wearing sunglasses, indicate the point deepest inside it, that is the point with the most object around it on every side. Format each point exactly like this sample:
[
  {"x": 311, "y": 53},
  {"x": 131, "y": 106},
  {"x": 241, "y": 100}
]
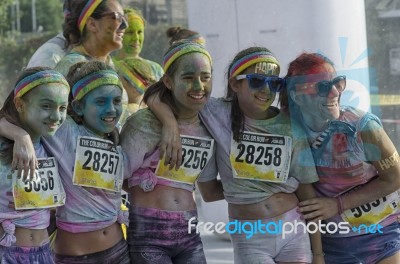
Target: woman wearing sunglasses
[
  {"x": 357, "y": 164},
  {"x": 264, "y": 161},
  {"x": 94, "y": 28}
]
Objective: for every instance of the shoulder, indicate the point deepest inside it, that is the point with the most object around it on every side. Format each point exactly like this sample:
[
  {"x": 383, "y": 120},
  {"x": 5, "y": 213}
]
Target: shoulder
[
  {"x": 68, "y": 60},
  {"x": 143, "y": 120}
]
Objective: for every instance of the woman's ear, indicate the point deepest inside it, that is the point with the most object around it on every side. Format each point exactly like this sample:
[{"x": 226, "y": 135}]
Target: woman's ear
[
  {"x": 77, "y": 106},
  {"x": 167, "y": 81},
  {"x": 234, "y": 84},
  {"x": 19, "y": 104},
  {"x": 91, "y": 24}
]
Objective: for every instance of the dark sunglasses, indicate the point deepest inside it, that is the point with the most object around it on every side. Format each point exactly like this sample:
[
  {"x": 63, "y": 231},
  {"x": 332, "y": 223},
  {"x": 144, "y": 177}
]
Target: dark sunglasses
[
  {"x": 117, "y": 16},
  {"x": 258, "y": 81},
  {"x": 325, "y": 87}
]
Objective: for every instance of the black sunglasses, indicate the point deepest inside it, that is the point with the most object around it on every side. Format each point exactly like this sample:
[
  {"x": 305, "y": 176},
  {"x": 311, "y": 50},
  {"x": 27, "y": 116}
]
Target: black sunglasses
[
  {"x": 258, "y": 81},
  {"x": 325, "y": 87}
]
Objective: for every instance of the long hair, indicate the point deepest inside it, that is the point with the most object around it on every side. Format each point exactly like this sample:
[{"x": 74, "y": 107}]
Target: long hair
[
  {"x": 237, "y": 116},
  {"x": 73, "y": 8},
  {"x": 9, "y": 111}
]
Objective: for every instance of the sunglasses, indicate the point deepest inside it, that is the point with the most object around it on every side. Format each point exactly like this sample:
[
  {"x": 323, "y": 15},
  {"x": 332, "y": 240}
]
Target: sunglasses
[
  {"x": 258, "y": 81},
  {"x": 116, "y": 16},
  {"x": 325, "y": 87}
]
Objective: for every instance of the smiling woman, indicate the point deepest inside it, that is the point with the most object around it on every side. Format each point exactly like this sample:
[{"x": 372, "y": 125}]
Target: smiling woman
[
  {"x": 94, "y": 28},
  {"x": 134, "y": 39}
]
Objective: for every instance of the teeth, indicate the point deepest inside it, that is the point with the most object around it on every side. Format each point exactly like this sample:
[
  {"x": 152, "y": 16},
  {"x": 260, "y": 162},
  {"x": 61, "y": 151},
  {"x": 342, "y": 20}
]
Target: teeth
[
  {"x": 197, "y": 97},
  {"x": 262, "y": 99},
  {"x": 108, "y": 119}
]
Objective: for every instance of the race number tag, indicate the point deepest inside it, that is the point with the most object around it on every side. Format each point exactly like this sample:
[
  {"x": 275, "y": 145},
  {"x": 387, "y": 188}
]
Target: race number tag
[
  {"x": 372, "y": 212},
  {"x": 261, "y": 157},
  {"x": 98, "y": 164},
  {"x": 196, "y": 152},
  {"x": 44, "y": 191}
]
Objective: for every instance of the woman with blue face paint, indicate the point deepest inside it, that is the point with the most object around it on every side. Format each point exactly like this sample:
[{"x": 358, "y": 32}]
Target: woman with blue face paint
[
  {"x": 38, "y": 105},
  {"x": 162, "y": 203},
  {"x": 357, "y": 163},
  {"x": 264, "y": 161},
  {"x": 90, "y": 166}
]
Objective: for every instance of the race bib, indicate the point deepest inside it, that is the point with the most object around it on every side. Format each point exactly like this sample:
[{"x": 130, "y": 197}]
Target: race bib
[
  {"x": 98, "y": 164},
  {"x": 44, "y": 191},
  {"x": 261, "y": 157},
  {"x": 196, "y": 152},
  {"x": 373, "y": 212}
]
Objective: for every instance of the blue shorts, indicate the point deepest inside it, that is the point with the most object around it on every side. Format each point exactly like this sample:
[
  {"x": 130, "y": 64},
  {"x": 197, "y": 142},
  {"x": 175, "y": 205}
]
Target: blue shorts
[
  {"x": 26, "y": 255},
  {"x": 366, "y": 249}
]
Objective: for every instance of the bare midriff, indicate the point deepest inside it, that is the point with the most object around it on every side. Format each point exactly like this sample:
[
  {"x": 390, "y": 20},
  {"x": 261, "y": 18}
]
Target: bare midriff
[
  {"x": 28, "y": 237},
  {"x": 277, "y": 204},
  {"x": 78, "y": 244},
  {"x": 163, "y": 198}
]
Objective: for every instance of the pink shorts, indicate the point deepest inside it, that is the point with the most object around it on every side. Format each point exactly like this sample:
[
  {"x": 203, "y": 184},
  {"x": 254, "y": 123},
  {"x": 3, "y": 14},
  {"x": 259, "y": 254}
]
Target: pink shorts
[{"x": 270, "y": 247}]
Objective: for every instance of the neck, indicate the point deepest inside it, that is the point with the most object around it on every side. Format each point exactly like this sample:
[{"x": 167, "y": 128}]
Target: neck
[
  {"x": 313, "y": 124},
  {"x": 188, "y": 119},
  {"x": 94, "y": 51}
]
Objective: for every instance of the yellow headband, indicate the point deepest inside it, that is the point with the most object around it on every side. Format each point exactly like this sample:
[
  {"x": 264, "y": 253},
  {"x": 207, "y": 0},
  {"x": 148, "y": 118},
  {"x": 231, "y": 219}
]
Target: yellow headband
[
  {"x": 184, "y": 48},
  {"x": 93, "y": 81},
  {"x": 87, "y": 11},
  {"x": 39, "y": 78}
]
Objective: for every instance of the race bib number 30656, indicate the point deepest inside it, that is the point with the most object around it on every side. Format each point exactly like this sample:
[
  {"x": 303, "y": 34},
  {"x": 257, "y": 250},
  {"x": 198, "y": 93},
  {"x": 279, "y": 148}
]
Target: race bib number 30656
[
  {"x": 196, "y": 152},
  {"x": 98, "y": 164},
  {"x": 44, "y": 191},
  {"x": 261, "y": 157}
]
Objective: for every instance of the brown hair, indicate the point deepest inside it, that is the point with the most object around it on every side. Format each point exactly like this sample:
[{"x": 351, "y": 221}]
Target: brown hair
[
  {"x": 237, "y": 116},
  {"x": 178, "y": 33},
  {"x": 70, "y": 27},
  {"x": 160, "y": 88}
]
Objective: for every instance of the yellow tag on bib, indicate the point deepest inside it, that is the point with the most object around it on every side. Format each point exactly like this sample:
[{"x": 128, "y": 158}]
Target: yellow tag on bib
[
  {"x": 196, "y": 152},
  {"x": 261, "y": 157},
  {"x": 44, "y": 191},
  {"x": 98, "y": 164},
  {"x": 372, "y": 212}
]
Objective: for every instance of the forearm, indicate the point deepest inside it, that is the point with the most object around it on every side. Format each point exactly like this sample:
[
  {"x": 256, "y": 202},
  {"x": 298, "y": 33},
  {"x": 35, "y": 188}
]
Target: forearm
[
  {"x": 305, "y": 192},
  {"x": 11, "y": 131},
  {"x": 371, "y": 191},
  {"x": 161, "y": 110}
]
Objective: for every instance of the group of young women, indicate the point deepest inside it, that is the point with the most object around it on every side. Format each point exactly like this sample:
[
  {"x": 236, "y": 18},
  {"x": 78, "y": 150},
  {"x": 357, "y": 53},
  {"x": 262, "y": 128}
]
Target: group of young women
[{"x": 311, "y": 160}]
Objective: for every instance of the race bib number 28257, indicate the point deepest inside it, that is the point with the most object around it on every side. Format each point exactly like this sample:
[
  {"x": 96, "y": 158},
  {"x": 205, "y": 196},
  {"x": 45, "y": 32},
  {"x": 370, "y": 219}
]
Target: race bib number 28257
[{"x": 98, "y": 164}]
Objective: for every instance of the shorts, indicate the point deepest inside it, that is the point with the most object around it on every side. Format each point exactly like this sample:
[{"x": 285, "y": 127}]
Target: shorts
[
  {"x": 162, "y": 237},
  {"x": 117, "y": 254},
  {"x": 271, "y": 247},
  {"x": 367, "y": 248},
  {"x": 26, "y": 255}
]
